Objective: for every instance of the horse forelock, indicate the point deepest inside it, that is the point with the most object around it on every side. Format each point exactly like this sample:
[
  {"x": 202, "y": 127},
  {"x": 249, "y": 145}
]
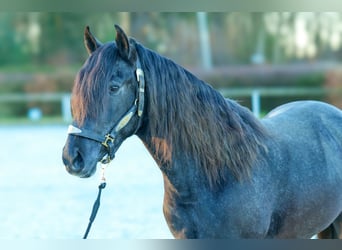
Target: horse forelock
[
  {"x": 186, "y": 113},
  {"x": 89, "y": 85}
]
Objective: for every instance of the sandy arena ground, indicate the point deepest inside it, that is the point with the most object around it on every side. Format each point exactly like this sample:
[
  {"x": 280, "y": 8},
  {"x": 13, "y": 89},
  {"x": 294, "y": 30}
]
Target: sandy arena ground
[{"x": 40, "y": 200}]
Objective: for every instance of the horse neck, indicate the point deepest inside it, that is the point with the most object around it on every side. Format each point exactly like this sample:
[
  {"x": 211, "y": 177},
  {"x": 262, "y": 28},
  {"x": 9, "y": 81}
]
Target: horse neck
[
  {"x": 186, "y": 122},
  {"x": 180, "y": 175}
]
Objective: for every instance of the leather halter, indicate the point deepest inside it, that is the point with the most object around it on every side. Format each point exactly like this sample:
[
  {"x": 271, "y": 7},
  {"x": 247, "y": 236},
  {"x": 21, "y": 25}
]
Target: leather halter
[{"x": 108, "y": 140}]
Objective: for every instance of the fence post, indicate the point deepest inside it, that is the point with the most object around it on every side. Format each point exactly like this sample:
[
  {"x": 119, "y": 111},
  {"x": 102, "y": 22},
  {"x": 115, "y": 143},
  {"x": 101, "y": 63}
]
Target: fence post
[
  {"x": 256, "y": 103},
  {"x": 66, "y": 110},
  {"x": 204, "y": 40}
]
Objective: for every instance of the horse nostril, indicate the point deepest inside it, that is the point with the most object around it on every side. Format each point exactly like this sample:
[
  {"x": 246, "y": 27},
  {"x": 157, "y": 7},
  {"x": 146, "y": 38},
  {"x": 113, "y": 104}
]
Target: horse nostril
[
  {"x": 73, "y": 161},
  {"x": 78, "y": 162}
]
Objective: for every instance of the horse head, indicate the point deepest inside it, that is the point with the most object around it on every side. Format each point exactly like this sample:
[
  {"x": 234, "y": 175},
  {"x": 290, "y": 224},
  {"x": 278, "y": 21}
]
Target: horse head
[{"x": 107, "y": 103}]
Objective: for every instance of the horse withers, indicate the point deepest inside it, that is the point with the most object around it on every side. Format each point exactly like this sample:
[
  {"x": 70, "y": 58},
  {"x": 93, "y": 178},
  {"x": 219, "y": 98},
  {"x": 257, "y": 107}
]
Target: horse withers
[{"x": 226, "y": 174}]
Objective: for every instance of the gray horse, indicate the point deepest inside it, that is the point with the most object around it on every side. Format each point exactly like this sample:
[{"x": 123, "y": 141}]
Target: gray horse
[{"x": 226, "y": 174}]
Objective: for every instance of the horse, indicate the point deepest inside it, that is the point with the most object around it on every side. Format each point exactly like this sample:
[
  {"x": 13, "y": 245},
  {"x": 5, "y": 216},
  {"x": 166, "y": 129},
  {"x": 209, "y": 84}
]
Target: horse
[{"x": 226, "y": 173}]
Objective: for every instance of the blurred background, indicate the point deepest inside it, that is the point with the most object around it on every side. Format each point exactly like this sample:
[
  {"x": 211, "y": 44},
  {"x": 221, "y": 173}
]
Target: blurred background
[
  {"x": 260, "y": 59},
  {"x": 283, "y": 55}
]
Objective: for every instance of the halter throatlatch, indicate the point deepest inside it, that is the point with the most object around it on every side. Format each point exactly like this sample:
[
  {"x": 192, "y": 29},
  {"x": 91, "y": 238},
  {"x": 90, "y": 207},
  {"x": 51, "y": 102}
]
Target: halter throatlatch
[{"x": 108, "y": 140}]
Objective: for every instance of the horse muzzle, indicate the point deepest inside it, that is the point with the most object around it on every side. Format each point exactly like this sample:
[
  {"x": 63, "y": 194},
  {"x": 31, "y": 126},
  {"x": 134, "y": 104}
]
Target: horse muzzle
[{"x": 77, "y": 162}]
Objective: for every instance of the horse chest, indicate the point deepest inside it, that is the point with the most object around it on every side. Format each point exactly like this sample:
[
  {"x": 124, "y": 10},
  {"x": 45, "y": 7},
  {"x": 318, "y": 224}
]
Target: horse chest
[
  {"x": 189, "y": 219},
  {"x": 213, "y": 217}
]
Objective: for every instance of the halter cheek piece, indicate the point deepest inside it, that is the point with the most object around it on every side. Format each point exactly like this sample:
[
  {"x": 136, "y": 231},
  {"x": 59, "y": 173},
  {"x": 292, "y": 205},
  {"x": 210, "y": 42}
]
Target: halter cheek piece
[{"x": 108, "y": 140}]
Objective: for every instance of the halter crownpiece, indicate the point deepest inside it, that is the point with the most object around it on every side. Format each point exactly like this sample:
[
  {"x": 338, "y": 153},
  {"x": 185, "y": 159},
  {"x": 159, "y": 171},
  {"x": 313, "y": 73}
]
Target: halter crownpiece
[
  {"x": 139, "y": 73},
  {"x": 108, "y": 139},
  {"x": 141, "y": 80}
]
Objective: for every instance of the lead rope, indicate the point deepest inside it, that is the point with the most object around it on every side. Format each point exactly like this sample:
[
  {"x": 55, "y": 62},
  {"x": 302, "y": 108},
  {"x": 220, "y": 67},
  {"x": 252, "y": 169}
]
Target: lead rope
[{"x": 97, "y": 201}]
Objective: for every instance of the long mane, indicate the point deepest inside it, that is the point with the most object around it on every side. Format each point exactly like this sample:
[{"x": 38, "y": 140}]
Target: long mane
[{"x": 187, "y": 113}]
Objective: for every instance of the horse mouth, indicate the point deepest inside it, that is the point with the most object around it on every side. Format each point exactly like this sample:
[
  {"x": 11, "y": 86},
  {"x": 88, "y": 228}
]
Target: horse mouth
[
  {"x": 82, "y": 173},
  {"x": 87, "y": 174}
]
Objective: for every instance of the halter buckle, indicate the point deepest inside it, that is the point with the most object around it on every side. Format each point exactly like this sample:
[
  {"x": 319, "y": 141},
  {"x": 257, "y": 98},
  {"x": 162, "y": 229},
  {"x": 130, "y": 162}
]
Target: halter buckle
[{"x": 108, "y": 138}]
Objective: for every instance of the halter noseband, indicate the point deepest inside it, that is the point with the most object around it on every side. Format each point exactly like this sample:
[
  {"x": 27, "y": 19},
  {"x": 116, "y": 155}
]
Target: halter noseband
[{"x": 108, "y": 140}]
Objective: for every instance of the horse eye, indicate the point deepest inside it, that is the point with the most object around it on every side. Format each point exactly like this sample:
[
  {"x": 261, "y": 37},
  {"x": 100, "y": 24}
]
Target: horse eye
[{"x": 114, "y": 88}]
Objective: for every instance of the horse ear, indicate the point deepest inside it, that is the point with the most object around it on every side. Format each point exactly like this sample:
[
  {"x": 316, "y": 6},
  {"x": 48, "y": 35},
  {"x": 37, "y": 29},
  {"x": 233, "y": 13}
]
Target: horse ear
[
  {"x": 122, "y": 42},
  {"x": 90, "y": 42}
]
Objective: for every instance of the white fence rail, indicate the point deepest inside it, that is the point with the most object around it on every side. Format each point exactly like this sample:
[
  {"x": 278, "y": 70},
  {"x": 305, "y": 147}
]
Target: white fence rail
[
  {"x": 63, "y": 98},
  {"x": 255, "y": 94}
]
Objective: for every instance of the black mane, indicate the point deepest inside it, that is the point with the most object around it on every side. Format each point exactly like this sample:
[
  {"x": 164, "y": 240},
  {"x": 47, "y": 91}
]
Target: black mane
[{"x": 185, "y": 112}]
